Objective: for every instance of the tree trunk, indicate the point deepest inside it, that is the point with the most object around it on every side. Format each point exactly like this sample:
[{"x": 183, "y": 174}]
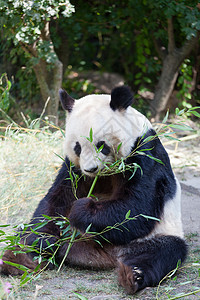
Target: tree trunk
[
  {"x": 165, "y": 85},
  {"x": 171, "y": 64},
  {"x": 49, "y": 75},
  {"x": 50, "y": 82}
]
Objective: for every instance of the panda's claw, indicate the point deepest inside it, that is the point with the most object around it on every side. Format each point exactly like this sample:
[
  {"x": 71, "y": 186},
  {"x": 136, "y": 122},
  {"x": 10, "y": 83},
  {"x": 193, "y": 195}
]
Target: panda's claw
[
  {"x": 137, "y": 273},
  {"x": 130, "y": 278}
]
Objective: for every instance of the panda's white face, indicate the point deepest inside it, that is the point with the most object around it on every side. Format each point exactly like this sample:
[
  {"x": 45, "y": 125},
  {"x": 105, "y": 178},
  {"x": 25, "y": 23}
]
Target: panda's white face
[{"x": 93, "y": 114}]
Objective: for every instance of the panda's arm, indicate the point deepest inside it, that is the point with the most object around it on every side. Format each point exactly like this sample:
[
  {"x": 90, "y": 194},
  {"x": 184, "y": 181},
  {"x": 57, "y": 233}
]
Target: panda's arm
[
  {"x": 146, "y": 197},
  {"x": 85, "y": 211}
]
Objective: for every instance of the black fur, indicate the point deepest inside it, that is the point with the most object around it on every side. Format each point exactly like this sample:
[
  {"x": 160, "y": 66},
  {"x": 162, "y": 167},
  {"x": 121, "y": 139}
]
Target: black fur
[
  {"x": 121, "y": 98},
  {"x": 66, "y": 100},
  {"x": 152, "y": 259},
  {"x": 106, "y": 148},
  {"x": 77, "y": 149}
]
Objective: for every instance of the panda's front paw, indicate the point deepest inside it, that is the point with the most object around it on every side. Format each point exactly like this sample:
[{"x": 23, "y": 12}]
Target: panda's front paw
[{"x": 82, "y": 212}]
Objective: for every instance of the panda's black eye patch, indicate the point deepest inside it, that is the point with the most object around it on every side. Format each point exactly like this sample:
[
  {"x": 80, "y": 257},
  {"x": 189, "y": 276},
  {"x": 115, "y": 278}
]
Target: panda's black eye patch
[
  {"x": 77, "y": 149},
  {"x": 106, "y": 149}
]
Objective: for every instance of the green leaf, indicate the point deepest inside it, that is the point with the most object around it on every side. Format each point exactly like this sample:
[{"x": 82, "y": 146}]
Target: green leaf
[
  {"x": 177, "y": 111},
  {"x": 100, "y": 148},
  {"x": 18, "y": 266},
  {"x": 181, "y": 127},
  {"x": 67, "y": 229},
  {"x": 149, "y": 138},
  {"x": 143, "y": 150},
  {"x": 195, "y": 113},
  {"x": 41, "y": 225},
  {"x": 80, "y": 296},
  {"x": 154, "y": 158},
  {"x": 134, "y": 171},
  {"x": 127, "y": 214},
  {"x": 91, "y": 136},
  {"x": 25, "y": 280},
  {"x": 180, "y": 112},
  {"x": 118, "y": 147},
  {"x": 149, "y": 217},
  {"x": 171, "y": 137},
  {"x": 105, "y": 238},
  {"x": 88, "y": 228},
  {"x": 193, "y": 108},
  {"x": 166, "y": 117},
  {"x": 47, "y": 217},
  {"x": 98, "y": 242},
  {"x": 59, "y": 156},
  {"x": 24, "y": 276}
]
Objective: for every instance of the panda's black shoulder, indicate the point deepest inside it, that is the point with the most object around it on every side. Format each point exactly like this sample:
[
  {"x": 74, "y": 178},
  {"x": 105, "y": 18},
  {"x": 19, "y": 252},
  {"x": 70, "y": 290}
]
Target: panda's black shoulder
[
  {"x": 150, "y": 145},
  {"x": 155, "y": 169}
]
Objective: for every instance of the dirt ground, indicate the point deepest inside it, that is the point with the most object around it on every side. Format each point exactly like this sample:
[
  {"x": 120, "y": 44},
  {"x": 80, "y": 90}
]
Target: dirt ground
[{"x": 185, "y": 159}]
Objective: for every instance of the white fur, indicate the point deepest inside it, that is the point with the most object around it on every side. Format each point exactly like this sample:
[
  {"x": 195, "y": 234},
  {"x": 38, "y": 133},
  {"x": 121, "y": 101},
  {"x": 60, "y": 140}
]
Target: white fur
[
  {"x": 170, "y": 223},
  {"x": 113, "y": 127}
]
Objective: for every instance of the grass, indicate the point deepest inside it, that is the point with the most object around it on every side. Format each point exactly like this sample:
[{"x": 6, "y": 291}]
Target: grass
[{"x": 28, "y": 166}]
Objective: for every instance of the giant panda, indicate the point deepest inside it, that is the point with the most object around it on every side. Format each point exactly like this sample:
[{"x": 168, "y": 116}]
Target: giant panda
[{"x": 149, "y": 245}]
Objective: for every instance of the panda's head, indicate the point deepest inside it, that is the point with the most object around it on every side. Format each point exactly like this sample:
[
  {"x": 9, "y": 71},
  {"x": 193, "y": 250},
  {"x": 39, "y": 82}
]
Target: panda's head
[{"x": 101, "y": 122}]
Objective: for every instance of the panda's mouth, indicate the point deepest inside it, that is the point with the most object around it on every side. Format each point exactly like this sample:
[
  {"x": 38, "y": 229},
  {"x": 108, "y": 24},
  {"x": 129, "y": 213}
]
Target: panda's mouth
[{"x": 91, "y": 172}]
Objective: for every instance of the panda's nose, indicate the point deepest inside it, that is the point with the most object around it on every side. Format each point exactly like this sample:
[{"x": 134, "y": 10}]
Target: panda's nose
[{"x": 92, "y": 170}]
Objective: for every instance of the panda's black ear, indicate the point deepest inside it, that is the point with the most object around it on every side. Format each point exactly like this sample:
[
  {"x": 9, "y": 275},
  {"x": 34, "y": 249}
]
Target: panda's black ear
[
  {"x": 121, "y": 98},
  {"x": 66, "y": 100}
]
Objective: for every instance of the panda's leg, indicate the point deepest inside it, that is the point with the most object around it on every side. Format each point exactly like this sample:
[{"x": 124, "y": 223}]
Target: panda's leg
[
  {"x": 89, "y": 254},
  {"x": 144, "y": 263}
]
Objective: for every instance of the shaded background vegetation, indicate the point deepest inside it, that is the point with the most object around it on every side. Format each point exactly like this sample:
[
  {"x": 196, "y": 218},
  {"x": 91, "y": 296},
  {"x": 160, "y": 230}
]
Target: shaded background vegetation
[{"x": 153, "y": 46}]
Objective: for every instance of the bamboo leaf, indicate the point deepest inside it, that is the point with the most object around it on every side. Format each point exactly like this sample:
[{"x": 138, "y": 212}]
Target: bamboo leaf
[
  {"x": 133, "y": 173},
  {"x": 80, "y": 296},
  {"x": 98, "y": 242},
  {"x": 59, "y": 156},
  {"x": 195, "y": 113},
  {"x": 181, "y": 127},
  {"x": 166, "y": 117},
  {"x": 100, "y": 149},
  {"x": 171, "y": 137},
  {"x": 127, "y": 214},
  {"x": 88, "y": 228},
  {"x": 149, "y": 138},
  {"x": 195, "y": 107},
  {"x": 18, "y": 266},
  {"x": 91, "y": 136},
  {"x": 105, "y": 239},
  {"x": 40, "y": 225},
  {"x": 156, "y": 159},
  {"x": 63, "y": 134},
  {"x": 24, "y": 276},
  {"x": 142, "y": 150},
  {"x": 150, "y": 217},
  {"x": 179, "y": 112},
  {"x": 47, "y": 217},
  {"x": 118, "y": 147},
  {"x": 67, "y": 229},
  {"x": 25, "y": 280}
]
